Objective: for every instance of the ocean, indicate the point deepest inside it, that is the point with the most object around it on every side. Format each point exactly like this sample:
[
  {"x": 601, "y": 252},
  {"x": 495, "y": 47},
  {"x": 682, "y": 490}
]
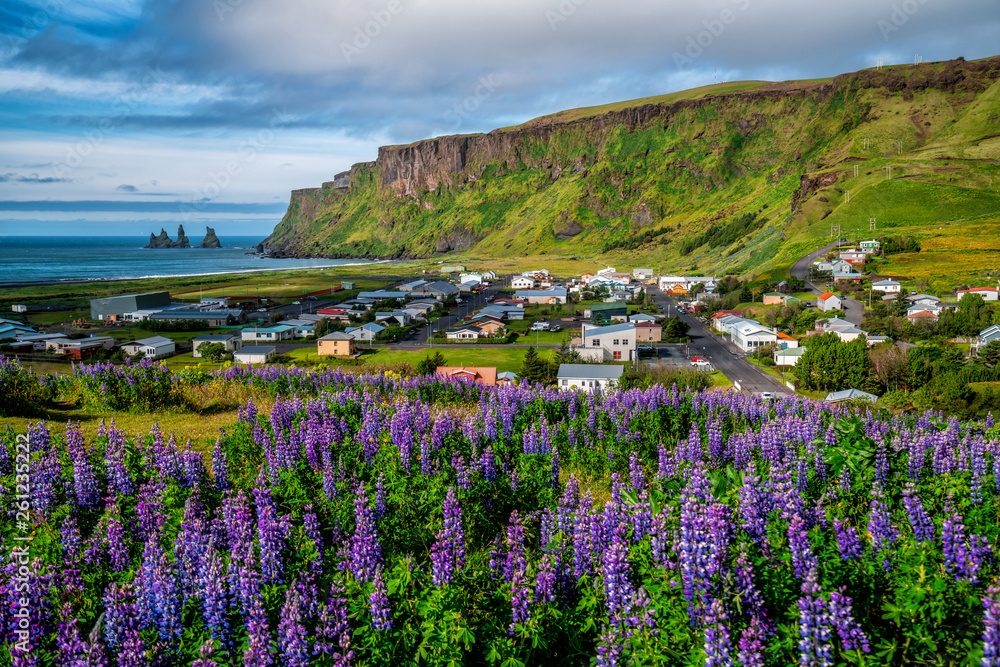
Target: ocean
[{"x": 25, "y": 259}]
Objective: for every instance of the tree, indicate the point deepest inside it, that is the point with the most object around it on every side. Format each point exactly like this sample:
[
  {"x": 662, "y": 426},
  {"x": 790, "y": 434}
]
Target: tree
[
  {"x": 834, "y": 365},
  {"x": 214, "y": 351},
  {"x": 674, "y": 328},
  {"x": 989, "y": 354},
  {"x": 429, "y": 364},
  {"x": 533, "y": 368},
  {"x": 889, "y": 364},
  {"x": 322, "y": 327},
  {"x": 276, "y": 317}
]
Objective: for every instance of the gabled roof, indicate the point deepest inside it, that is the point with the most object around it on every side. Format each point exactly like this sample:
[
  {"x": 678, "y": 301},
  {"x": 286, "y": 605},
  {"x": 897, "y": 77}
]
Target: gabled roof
[
  {"x": 644, "y": 324},
  {"x": 921, "y": 297},
  {"x": 885, "y": 283},
  {"x": 473, "y": 329},
  {"x": 924, "y": 315},
  {"x": 154, "y": 341},
  {"x": 791, "y": 352},
  {"x": 979, "y": 289},
  {"x": 850, "y": 395},
  {"x": 826, "y": 295},
  {"x": 217, "y": 338},
  {"x": 336, "y": 335}
]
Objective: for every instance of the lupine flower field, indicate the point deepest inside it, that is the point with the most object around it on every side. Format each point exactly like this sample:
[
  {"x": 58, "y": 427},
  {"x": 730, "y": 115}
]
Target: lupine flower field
[{"x": 380, "y": 520}]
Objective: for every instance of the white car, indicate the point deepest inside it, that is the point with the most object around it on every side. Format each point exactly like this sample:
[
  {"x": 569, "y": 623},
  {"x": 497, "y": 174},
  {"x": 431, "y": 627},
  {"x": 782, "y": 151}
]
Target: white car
[{"x": 296, "y": 303}]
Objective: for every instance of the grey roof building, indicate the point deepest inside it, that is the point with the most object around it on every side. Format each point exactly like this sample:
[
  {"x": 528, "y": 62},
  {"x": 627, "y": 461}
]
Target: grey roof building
[{"x": 111, "y": 306}]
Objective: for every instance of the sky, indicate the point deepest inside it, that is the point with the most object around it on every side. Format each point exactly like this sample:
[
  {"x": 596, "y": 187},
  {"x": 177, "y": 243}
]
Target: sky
[{"x": 121, "y": 116}]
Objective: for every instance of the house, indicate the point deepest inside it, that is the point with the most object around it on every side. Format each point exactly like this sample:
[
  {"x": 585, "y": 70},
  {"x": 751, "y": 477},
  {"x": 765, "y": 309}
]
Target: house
[
  {"x": 490, "y": 275},
  {"x": 829, "y": 301},
  {"x": 648, "y": 332},
  {"x": 336, "y": 344},
  {"x": 549, "y": 296},
  {"x": 786, "y": 342},
  {"x": 301, "y": 328},
  {"x": 154, "y": 347},
  {"x": 853, "y": 257},
  {"x": 788, "y": 356},
  {"x": 869, "y": 246},
  {"x": 848, "y": 276},
  {"x": 749, "y": 335},
  {"x": 841, "y": 266},
  {"x": 850, "y": 395},
  {"x": 366, "y": 332},
  {"x": 847, "y": 334},
  {"x": 927, "y": 317},
  {"x": 255, "y": 354},
  {"x": 833, "y": 324},
  {"x": 410, "y": 286},
  {"x": 486, "y": 375},
  {"x": 587, "y": 377},
  {"x": 81, "y": 349},
  {"x": 59, "y": 345},
  {"x": 724, "y": 313},
  {"x": 487, "y": 326},
  {"x": 616, "y": 342},
  {"x": 382, "y": 295},
  {"x": 725, "y": 324},
  {"x": 507, "y": 377},
  {"x": 923, "y": 299},
  {"x": 642, "y": 317},
  {"x": 439, "y": 290},
  {"x": 111, "y": 308},
  {"x": 38, "y": 340},
  {"x": 887, "y": 286},
  {"x": 397, "y": 317},
  {"x": 473, "y": 278},
  {"x": 876, "y": 340},
  {"x": 346, "y": 284},
  {"x": 988, "y": 293},
  {"x": 270, "y": 334},
  {"x": 231, "y": 342},
  {"x": 987, "y": 336},
  {"x": 15, "y": 330},
  {"x": 774, "y": 298},
  {"x": 213, "y": 317},
  {"x": 642, "y": 274},
  {"x": 465, "y": 332},
  {"x": 612, "y": 312},
  {"x": 19, "y": 308}
]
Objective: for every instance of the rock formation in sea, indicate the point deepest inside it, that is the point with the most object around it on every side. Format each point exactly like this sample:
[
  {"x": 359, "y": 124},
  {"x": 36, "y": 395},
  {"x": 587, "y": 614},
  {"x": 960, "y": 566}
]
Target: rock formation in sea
[
  {"x": 210, "y": 240},
  {"x": 163, "y": 241}
]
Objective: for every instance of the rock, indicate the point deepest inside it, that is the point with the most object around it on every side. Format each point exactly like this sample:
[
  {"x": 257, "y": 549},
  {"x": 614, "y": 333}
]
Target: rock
[
  {"x": 163, "y": 241},
  {"x": 210, "y": 240},
  {"x": 571, "y": 229}
]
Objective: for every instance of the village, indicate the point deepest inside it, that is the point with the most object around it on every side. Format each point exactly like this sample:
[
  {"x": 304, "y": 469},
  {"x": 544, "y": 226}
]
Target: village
[{"x": 602, "y": 322}]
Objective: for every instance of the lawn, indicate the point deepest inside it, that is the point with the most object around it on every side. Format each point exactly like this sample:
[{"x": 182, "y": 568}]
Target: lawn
[
  {"x": 505, "y": 359},
  {"x": 47, "y": 318}
]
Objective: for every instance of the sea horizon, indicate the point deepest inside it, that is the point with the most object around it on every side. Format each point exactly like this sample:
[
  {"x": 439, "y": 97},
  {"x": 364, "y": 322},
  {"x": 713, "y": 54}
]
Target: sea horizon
[{"x": 96, "y": 258}]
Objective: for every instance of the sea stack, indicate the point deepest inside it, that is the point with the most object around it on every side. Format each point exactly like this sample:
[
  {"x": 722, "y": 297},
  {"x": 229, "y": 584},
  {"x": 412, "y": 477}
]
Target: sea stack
[
  {"x": 163, "y": 241},
  {"x": 210, "y": 240}
]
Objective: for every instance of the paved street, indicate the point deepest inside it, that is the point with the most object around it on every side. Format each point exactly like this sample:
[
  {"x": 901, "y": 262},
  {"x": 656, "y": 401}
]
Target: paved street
[
  {"x": 723, "y": 355},
  {"x": 854, "y": 310}
]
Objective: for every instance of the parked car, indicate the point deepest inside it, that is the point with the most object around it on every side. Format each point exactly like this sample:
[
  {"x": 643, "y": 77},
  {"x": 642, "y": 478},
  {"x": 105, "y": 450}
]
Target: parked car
[
  {"x": 540, "y": 326},
  {"x": 554, "y": 327},
  {"x": 262, "y": 310},
  {"x": 296, "y": 303}
]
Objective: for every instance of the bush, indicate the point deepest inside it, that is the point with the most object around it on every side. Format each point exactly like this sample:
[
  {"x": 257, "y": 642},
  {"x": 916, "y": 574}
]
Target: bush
[
  {"x": 22, "y": 393},
  {"x": 142, "y": 387}
]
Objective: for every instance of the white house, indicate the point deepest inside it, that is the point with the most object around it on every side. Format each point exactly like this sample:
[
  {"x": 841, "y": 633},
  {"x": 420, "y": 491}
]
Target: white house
[
  {"x": 587, "y": 377},
  {"x": 988, "y": 293},
  {"x": 19, "y": 308},
  {"x": 887, "y": 286},
  {"x": 543, "y": 296},
  {"x": 366, "y": 332},
  {"x": 987, "y": 336},
  {"x": 847, "y": 334},
  {"x": 749, "y": 335},
  {"x": 153, "y": 347},
  {"x": 269, "y": 334},
  {"x": 463, "y": 333},
  {"x": 612, "y": 343},
  {"x": 254, "y": 354},
  {"x": 788, "y": 356},
  {"x": 231, "y": 342},
  {"x": 850, "y": 395},
  {"x": 642, "y": 274},
  {"x": 522, "y": 282},
  {"x": 829, "y": 301},
  {"x": 870, "y": 246}
]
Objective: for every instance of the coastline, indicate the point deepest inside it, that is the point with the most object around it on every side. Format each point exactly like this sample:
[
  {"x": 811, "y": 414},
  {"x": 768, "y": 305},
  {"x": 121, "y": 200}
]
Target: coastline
[{"x": 87, "y": 281}]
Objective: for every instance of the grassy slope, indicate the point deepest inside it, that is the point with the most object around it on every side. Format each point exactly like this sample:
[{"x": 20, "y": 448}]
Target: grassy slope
[{"x": 734, "y": 153}]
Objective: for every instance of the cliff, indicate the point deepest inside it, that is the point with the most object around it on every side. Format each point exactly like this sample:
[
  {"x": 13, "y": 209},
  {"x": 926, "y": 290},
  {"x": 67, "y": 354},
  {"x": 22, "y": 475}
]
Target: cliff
[
  {"x": 210, "y": 240},
  {"x": 164, "y": 241},
  {"x": 638, "y": 178}
]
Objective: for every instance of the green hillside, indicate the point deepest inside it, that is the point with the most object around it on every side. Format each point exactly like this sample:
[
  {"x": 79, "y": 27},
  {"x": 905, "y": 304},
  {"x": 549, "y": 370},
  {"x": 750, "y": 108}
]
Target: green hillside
[{"x": 739, "y": 177}]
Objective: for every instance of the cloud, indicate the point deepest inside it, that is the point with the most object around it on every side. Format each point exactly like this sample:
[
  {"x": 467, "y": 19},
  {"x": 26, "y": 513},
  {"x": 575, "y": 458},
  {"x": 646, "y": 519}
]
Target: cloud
[
  {"x": 127, "y": 188},
  {"x": 92, "y": 206},
  {"x": 32, "y": 178}
]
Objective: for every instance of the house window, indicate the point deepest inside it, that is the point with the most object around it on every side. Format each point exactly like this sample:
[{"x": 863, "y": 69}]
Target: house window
[
  {"x": 595, "y": 343},
  {"x": 618, "y": 355},
  {"x": 565, "y": 382},
  {"x": 616, "y": 341}
]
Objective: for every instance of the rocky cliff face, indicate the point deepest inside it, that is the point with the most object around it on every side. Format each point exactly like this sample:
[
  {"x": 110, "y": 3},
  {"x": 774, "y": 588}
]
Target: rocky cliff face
[
  {"x": 210, "y": 240},
  {"x": 572, "y": 182},
  {"x": 164, "y": 241}
]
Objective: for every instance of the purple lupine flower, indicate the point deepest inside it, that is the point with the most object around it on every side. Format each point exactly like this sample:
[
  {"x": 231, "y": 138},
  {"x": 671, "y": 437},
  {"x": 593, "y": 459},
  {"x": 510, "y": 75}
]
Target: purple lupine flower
[
  {"x": 814, "y": 626},
  {"x": 205, "y": 654},
  {"x": 70, "y": 647},
  {"x": 380, "y": 510},
  {"x": 694, "y": 546},
  {"x": 520, "y": 601},
  {"x": 214, "y": 596},
  {"x": 515, "y": 561},
  {"x": 923, "y": 528},
  {"x": 293, "y": 645},
  {"x": 272, "y": 536},
  {"x": 220, "y": 467},
  {"x": 964, "y": 557},
  {"x": 333, "y": 635},
  {"x": 991, "y": 629},
  {"x": 69, "y": 538},
  {"x": 258, "y": 652},
  {"x": 847, "y": 540},
  {"x": 852, "y": 637},
  {"x": 617, "y": 570},
  {"x": 378, "y": 603},
  {"x": 749, "y": 594},
  {"x": 85, "y": 485},
  {"x": 554, "y": 469},
  {"x": 883, "y": 533},
  {"x": 365, "y": 556},
  {"x": 754, "y": 508},
  {"x": 751, "y": 645},
  {"x": 803, "y": 559},
  {"x": 310, "y": 526},
  {"x": 611, "y": 647},
  {"x": 115, "y": 452},
  {"x": 448, "y": 552},
  {"x": 717, "y": 643}
]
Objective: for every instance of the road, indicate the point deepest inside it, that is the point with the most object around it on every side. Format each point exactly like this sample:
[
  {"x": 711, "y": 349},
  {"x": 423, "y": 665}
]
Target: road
[
  {"x": 723, "y": 356},
  {"x": 854, "y": 310}
]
